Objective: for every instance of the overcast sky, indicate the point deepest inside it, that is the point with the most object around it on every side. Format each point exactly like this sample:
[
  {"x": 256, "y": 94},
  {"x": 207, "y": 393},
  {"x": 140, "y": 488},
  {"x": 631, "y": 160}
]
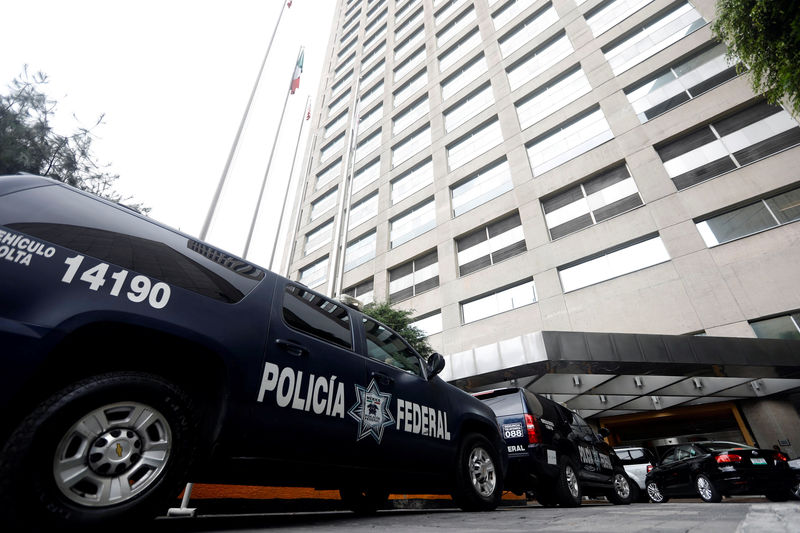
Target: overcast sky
[{"x": 173, "y": 78}]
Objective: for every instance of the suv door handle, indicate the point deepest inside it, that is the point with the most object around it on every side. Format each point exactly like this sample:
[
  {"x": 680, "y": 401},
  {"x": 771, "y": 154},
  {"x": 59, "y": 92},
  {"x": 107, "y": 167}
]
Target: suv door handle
[
  {"x": 382, "y": 378},
  {"x": 291, "y": 347}
]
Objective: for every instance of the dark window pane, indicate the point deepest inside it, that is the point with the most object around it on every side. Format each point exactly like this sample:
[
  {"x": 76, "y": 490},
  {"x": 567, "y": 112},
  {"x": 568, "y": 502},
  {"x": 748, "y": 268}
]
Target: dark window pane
[
  {"x": 389, "y": 348},
  {"x": 472, "y": 266},
  {"x": 707, "y": 171},
  {"x": 686, "y": 143},
  {"x": 426, "y": 285},
  {"x": 501, "y": 226},
  {"x": 562, "y": 199},
  {"x": 620, "y": 206},
  {"x": 744, "y": 221},
  {"x": 317, "y": 316},
  {"x": 745, "y": 118},
  {"x": 571, "y": 226},
  {"x": 506, "y": 405},
  {"x": 471, "y": 240},
  {"x": 401, "y": 271},
  {"x": 713, "y": 81},
  {"x": 781, "y": 327},
  {"x": 768, "y": 147},
  {"x": 509, "y": 251},
  {"x": 786, "y": 206},
  {"x": 606, "y": 179},
  {"x": 666, "y": 105},
  {"x": 425, "y": 260},
  {"x": 365, "y": 287},
  {"x": 404, "y": 294}
]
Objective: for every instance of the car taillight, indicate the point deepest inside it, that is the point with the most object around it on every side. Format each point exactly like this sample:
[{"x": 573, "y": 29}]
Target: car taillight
[
  {"x": 728, "y": 458},
  {"x": 780, "y": 457},
  {"x": 533, "y": 430},
  {"x": 649, "y": 468}
]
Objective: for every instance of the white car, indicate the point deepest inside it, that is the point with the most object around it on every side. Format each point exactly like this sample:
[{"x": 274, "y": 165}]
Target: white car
[
  {"x": 794, "y": 464},
  {"x": 637, "y": 462}
]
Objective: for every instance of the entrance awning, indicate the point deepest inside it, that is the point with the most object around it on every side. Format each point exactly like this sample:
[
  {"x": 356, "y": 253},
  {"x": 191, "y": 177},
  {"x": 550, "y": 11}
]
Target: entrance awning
[{"x": 609, "y": 374}]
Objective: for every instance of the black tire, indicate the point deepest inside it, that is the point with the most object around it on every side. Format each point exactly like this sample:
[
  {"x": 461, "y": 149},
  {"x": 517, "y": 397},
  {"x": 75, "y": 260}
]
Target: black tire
[
  {"x": 146, "y": 421},
  {"x": 655, "y": 494},
  {"x": 478, "y": 480},
  {"x": 636, "y": 492},
  {"x": 706, "y": 489},
  {"x": 621, "y": 494},
  {"x": 547, "y": 498},
  {"x": 366, "y": 501},
  {"x": 568, "y": 488}
]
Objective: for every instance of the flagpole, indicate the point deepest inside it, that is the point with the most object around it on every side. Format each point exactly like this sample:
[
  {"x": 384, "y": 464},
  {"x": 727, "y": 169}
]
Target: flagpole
[
  {"x": 298, "y": 208},
  {"x": 269, "y": 162},
  {"x": 235, "y": 145},
  {"x": 289, "y": 181}
]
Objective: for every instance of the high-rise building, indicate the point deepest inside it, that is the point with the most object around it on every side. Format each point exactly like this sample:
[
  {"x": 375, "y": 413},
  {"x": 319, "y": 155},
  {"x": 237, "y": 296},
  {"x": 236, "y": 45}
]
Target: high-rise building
[{"x": 582, "y": 197}]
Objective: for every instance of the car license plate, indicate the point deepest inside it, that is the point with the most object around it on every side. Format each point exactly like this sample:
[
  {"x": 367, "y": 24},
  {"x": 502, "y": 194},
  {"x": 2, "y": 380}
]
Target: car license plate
[{"x": 758, "y": 461}]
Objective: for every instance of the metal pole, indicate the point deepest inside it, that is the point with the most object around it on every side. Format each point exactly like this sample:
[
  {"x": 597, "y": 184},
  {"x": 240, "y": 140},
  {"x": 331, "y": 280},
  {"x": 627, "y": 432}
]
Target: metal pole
[
  {"x": 288, "y": 182},
  {"x": 299, "y": 205},
  {"x": 220, "y": 185}
]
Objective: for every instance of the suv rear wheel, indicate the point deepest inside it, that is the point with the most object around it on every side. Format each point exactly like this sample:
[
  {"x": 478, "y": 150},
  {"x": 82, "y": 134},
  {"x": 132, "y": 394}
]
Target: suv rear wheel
[
  {"x": 568, "y": 488},
  {"x": 621, "y": 493},
  {"x": 478, "y": 477}
]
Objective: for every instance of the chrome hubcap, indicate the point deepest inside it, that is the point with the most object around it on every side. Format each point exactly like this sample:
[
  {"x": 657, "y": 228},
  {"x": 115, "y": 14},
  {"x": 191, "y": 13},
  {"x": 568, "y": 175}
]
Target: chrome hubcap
[
  {"x": 572, "y": 481},
  {"x": 653, "y": 492},
  {"x": 621, "y": 486},
  {"x": 482, "y": 472},
  {"x": 112, "y": 454},
  {"x": 704, "y": 488}
]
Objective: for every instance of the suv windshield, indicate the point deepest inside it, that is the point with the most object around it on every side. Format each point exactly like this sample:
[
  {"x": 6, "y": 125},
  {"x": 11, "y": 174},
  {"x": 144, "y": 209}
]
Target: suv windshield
[{"x": 508, "y": 404}]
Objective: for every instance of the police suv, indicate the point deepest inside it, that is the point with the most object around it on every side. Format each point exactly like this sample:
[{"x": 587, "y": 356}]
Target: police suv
[{"x": 136, "y": 358}]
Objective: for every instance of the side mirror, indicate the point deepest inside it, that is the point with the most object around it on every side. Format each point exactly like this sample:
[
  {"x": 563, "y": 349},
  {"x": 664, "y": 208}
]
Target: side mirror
[
  {"x": 604, "y": 432},
  {"x": 435, "y": 364}
]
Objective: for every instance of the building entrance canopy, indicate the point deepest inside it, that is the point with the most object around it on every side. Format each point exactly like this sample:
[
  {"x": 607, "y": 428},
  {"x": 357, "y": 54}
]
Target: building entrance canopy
[{"x": 609, "y": 374}]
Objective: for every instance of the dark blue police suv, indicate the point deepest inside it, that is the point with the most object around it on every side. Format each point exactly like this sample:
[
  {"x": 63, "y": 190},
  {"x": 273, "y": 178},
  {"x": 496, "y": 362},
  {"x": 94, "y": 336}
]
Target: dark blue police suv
[{"x": 136, "y": 358}]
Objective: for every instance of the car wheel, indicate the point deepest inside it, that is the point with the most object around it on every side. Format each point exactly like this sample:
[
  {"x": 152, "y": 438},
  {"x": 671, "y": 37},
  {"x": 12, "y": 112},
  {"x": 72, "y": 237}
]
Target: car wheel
[
  {"x": 655, "y": 494},
  {"x": 706, "y": 489},
  {"x": 568, "y": 488},
  {"x": 366, "y": 501},
  {"x": 621, "y": 493},
  {"x": 109, "y": 449},
  {"x": 478, "y": 481}
]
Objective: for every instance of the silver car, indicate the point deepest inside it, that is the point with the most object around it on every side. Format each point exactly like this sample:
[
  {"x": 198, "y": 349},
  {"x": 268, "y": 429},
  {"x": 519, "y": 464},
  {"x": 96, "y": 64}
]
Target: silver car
[{"x": 637, "y": 462}]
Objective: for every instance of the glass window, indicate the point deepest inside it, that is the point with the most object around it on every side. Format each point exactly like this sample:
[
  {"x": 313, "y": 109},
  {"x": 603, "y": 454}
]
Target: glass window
[
  {"x": 412, "y": 223},
  {"x": 368, "y": 145},
  {"x": 318, "y": 238},
  {"x": 374, "y": 73},
  {"x": 317, "y": 316},
  {"x": 364, "y": 292},
  {"x": 614, "y": 263},
  {"x": 527, "y": 30},
  {"x": 347, "y": 49},
  {"x": 359, "y": 251},
  {"x": 500, "y": 301},
  {"x": 352, "y": 8},
  {"x": 759, "y": 216},
  {"x": 334, "y": 125},
  {"x": 652, "y": 36},
  {"x": 411, "y": 87},
  {"x": 538, "y": 60},
  {"x": 552, "y": 96},
  {"x": 412, "y": 181},
  {"x": 414, "y": 112},
  {"x": 448, "y": 9},
  {"x": 747, "y": 136},
  {"x": 410, "y": 42},
  {"x": 374, "y": 38},
  {"x": 338, "y": 103},
  {"x": 376, "y": 21},
  {"x": 409, "y": 64},
  {"x": 411, "y": 145},
  {"x": 477, "y": 142},
  {"x": 429, "y": 324},
  {"x": 407, "y": 25},
  {"x": 370, "y": 118},
  {"x": 479, "y": 188},
  {"x": 315, "y": 274},
  {"x": 388, "y": 347},
  {"x": 569, "y": 140},
  {"x": 414, "y": 277},
  {"x": 347, "y": 35},
  {"x": 683, "y": 81},
  {"x": 463, "y": 20},
  {"x": 459, "y": 50},
  {"x": 595, "y": 200},
  {"x": 375, "y": 8},
  {"x": 349, "y": 21},
  {"x": 509, "y": 11},
  {"x": 342, "y": 82},
  {"x": 779, "y": 327},
  {"x": 331, "y": 172},
  {"x": 404, "y": 9},
  {"x": 366, "y": 175},
  {"x": 332, "y": 147},
  {"x": 469, "y": 106},
  {"x": 374, "y": 54},
  {"x": 320, "y": 206},
  {"x": 370, "y": 95},
  {"x": 610, "y": 13},
  {"x": 464, "y": 76},
  {"x": 346, "y": 64},
  {"x": 363, "y": 211},
  {"x": 490, "y": 244}
]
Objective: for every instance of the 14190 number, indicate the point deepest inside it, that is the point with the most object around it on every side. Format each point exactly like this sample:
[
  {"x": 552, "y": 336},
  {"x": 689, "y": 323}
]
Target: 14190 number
[{"x": 141, "y": 288}]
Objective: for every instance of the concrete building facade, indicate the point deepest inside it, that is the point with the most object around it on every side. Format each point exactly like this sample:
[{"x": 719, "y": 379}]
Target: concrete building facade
[{"x": 511, "y": 167}]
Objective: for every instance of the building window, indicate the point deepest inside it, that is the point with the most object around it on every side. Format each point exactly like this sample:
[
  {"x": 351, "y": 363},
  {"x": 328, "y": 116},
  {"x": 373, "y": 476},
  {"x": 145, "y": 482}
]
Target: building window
[
  {"x": 414, "y": 112},
  {"x": 410, "y": 88},
  {"x": 613, "y": 263},
  {"x": 374, "y": 8},
  {"x": 513, "y": 297},
  {"x": 463, "y": 20},
  {"x": 527, "y": 30},
  {"x": 469, "y": 106},
  {"x": 321, "y": 206},
  {"x": 779, "y": 327},
  {"x": 490, "y": 244},
  {"x": 366, "y": 175},
  {"x": 409, "y": 64},
  {"x": 318, "y": 238},
  {"x": 464, "y": 76},
  {"x": 344, "y": 66},
  {"x": 374, "y": 37},
  {"x": 412, "y": 223},
  {"x": 411, "y": 41},
  {"x": 610, "y": 13},
  {"x": 334, "y": 125},
  {"x": 341, "y": 83},
  {"x": 753, "y": 218},
  {"x": 412, "y": 181},
  {"x": 448, "y": 9},
  {"x": 411, "y": 145},
  {"x": 486, "y": 184},
  {"x": 414, "y": 277},
  {"x": 368, "y": 145},
  {"x": 374, "y": 54},
  {"x": 595, "y": 200},
  {"x": 364, "y": 292},
  {"x": 338, "y": 103},
  {"x": 377, "y": 20},
  {"x": 653, "y": 36},
  {"x": 569, "y": 140},
  {"x": 332, "y": 147},
  {"x": 363, "y": 211},
  {"x": 331, "y": 172},
  {"x": 370, "y": 118},
  {"x": 477, "y": 142},
  {"x": 359, "y": 251},
  {"x": 459, "y": 50},
  {"x": 747, "y": 136},
  {"x": 552, "y": 96},
  {"x": 371, "y": 95},
  {"x": 404, "y": 9},
  {"x": 347, "y": 49},
  {"x": 349, "y": 21},
  {"x": 538, "y": 60},
  {"x": 348, "y": 34},
  {"x": 429, "y": 324},
  {"x": 315, "y": 273},
  {"x": 352, "y": 8},
  {"x": 509, "y": 11},
  {"x": 406, "y": 26},
  {"x": 374, "y": 73}
]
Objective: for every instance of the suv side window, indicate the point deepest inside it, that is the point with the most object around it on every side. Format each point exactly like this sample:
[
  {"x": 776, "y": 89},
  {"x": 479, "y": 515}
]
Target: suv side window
[
  {"x": 388, "y": 347},
  {"x": 669, "y": 458},
  {"x": 311, "y": 313},
  {"x": 580, "y": 427}
]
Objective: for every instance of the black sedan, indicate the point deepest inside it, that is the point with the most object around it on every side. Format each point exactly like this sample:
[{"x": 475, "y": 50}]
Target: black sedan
[{"x": 712, "y": 470}]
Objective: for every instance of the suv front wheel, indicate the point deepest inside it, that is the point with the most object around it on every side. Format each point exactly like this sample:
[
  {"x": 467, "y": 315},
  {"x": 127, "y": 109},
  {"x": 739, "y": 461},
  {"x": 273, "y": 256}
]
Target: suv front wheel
[{"x": 478, "y": 476}]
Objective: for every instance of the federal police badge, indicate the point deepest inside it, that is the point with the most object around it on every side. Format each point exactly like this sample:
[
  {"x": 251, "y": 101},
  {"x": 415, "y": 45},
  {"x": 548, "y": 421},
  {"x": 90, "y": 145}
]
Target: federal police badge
[{"x": 371, "y": 410}]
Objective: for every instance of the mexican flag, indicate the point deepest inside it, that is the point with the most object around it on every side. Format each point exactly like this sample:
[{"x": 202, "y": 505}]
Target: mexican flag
[{"x": 297, "y": 70}]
